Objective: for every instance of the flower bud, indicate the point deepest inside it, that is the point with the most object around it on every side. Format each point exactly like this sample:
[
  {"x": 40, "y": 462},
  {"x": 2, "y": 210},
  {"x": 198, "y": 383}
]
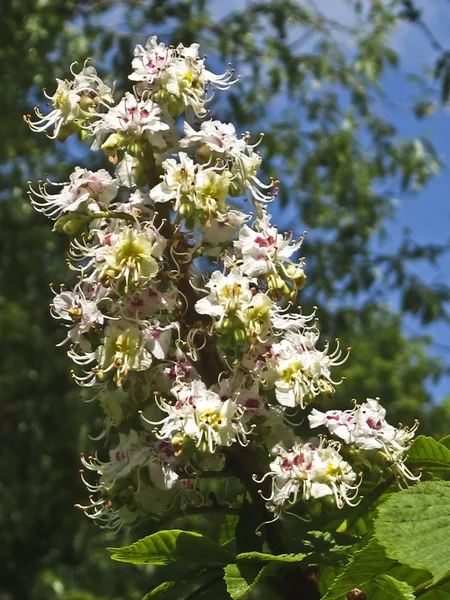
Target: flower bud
[
  {"x": 225, "y": 325},
  {"x": 239, "y": 336},
  {"x": 113, "y": 143},
  {"x": 296, "y": 274},
  {"x": 276, "y": 284},
  {"x": 186, "y": 210},
  {"x": 69, "y": 224}
]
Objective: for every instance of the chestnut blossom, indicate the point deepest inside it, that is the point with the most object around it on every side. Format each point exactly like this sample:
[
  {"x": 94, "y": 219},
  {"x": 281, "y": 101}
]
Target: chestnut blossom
[
  {"x": 73, "y": 308},
  {"x": 307, "y": 472},
  {"x": 217, "y": 363},
  {"x": 262, "y": 249},
  {"x": 87, "y": 191},
  {"x": 132, "y": 121},
  {"x": 201, "y": 415},
  {"x": 175, "y": 77},
  {"x": 75, "y": 104},
  {"x": 214, "y": 140},
  {"x": 366, "y": 427}
]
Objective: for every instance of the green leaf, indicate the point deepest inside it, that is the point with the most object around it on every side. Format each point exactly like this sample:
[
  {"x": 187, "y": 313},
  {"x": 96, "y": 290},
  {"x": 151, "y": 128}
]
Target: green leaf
[
  {"x": 173, "y": 546},
  {"x": 227, "y": 529},
  {"x": 184, "y": 588},
  {"x": 393, "y": 588},
  {"x": 414, "y": 526},
  {"x": 428, "y": 454},
  {"x": 368, "y": 572},
  {"x": 242, "y": 578},
  {"x": 445, "y": 441},
  {"x": 261, "y": 557}
]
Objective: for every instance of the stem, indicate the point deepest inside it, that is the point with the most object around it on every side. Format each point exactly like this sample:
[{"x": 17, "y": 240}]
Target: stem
[{"x": 425, "y": 587}]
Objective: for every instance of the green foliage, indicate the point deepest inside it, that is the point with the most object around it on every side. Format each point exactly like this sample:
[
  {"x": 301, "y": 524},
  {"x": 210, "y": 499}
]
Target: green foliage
[
  {"x": 241, "y": 579},
  {"x": 414, "y": 526},
  {"x": 172, "y": 546},
  {"x": 376, "y": 575},
  {"x": 427, "y": 454}
]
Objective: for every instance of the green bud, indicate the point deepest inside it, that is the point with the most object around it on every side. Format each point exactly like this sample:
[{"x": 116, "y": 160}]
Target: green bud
[
  {"x": 235, "y": 189},
  {"x": 239, "y": 336},
  {"x": 315, "y": 509},
  {"x": 134, "y": 149},
  {"x": 276, "y": 283},
  {"x": 69, "y": 224},
  {"x": 225, "y": 325},
  {"x": 68, "y": 130},
  {"x": 296, "y": 274},
  {"x": 186, "y": 210},
  {"x": 113, "y": 143}
]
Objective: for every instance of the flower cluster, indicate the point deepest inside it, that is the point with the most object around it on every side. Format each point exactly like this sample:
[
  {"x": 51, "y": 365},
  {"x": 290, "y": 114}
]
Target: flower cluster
[{"x": 183, "y": 323}]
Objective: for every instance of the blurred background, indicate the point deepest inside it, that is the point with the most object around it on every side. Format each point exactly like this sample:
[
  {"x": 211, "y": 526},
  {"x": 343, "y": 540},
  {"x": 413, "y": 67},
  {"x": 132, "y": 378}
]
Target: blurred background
[{"x": 353, "y": 97}]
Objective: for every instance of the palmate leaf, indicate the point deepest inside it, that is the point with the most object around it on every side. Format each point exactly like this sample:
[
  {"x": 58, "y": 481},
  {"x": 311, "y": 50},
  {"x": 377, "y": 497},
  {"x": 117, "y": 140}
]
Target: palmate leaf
[
  {"x": 426, "y": 453},
  {"x": 173, "y": 546},
  {"x": 414, "y": 526},
  {"x": 377, "y": 575}
]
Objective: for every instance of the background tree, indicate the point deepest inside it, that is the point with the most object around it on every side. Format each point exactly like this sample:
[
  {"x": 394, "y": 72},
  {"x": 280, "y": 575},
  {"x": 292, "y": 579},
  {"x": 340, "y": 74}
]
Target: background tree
[{"x": 318, "y": 98}]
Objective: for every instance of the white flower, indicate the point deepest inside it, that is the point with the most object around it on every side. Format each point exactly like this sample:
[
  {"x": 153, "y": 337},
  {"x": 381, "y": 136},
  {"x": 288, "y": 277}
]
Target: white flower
[
  {"x": 300, "y": 371},
  {"x": 158, "y": 340},
  {"x": 137, "y": 204},
  {"x": 162, "y": 465},
  {"x": 219, "y": 137},
  {"x": 136, "y": 120},
  {"x": 202, "y": 416},
  {"x": 129, "y": 254},
  {"x": 131, "y": 452},
  {"x": 151, "y": 63},
  {"x": 222, "y": 228},
  {"x": 140, "y": 303},
  {"x": 74, "y": 104},
  {"x": 192, "y": 187},
  {"x": 123, "y": 350},
  {"x": 75, "y": 309},
  {"x": 339, "y": 423},
  {"x": 178, "y": 182},
  {"x": 87, "y": 191},
  {"x": 308, "y": 472},
  {"x": 245, "y": 170},
  {"x": 262, "y": 248},
  {"x": 175, "y": 77},
  {"x": 366, "y": 427},
  {"x": 229, "y": 294}
]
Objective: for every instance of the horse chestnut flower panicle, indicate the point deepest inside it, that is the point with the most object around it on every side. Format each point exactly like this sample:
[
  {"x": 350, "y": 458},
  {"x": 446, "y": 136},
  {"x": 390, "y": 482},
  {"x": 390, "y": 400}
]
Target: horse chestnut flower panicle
[{"x": 192, "y": 364}]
